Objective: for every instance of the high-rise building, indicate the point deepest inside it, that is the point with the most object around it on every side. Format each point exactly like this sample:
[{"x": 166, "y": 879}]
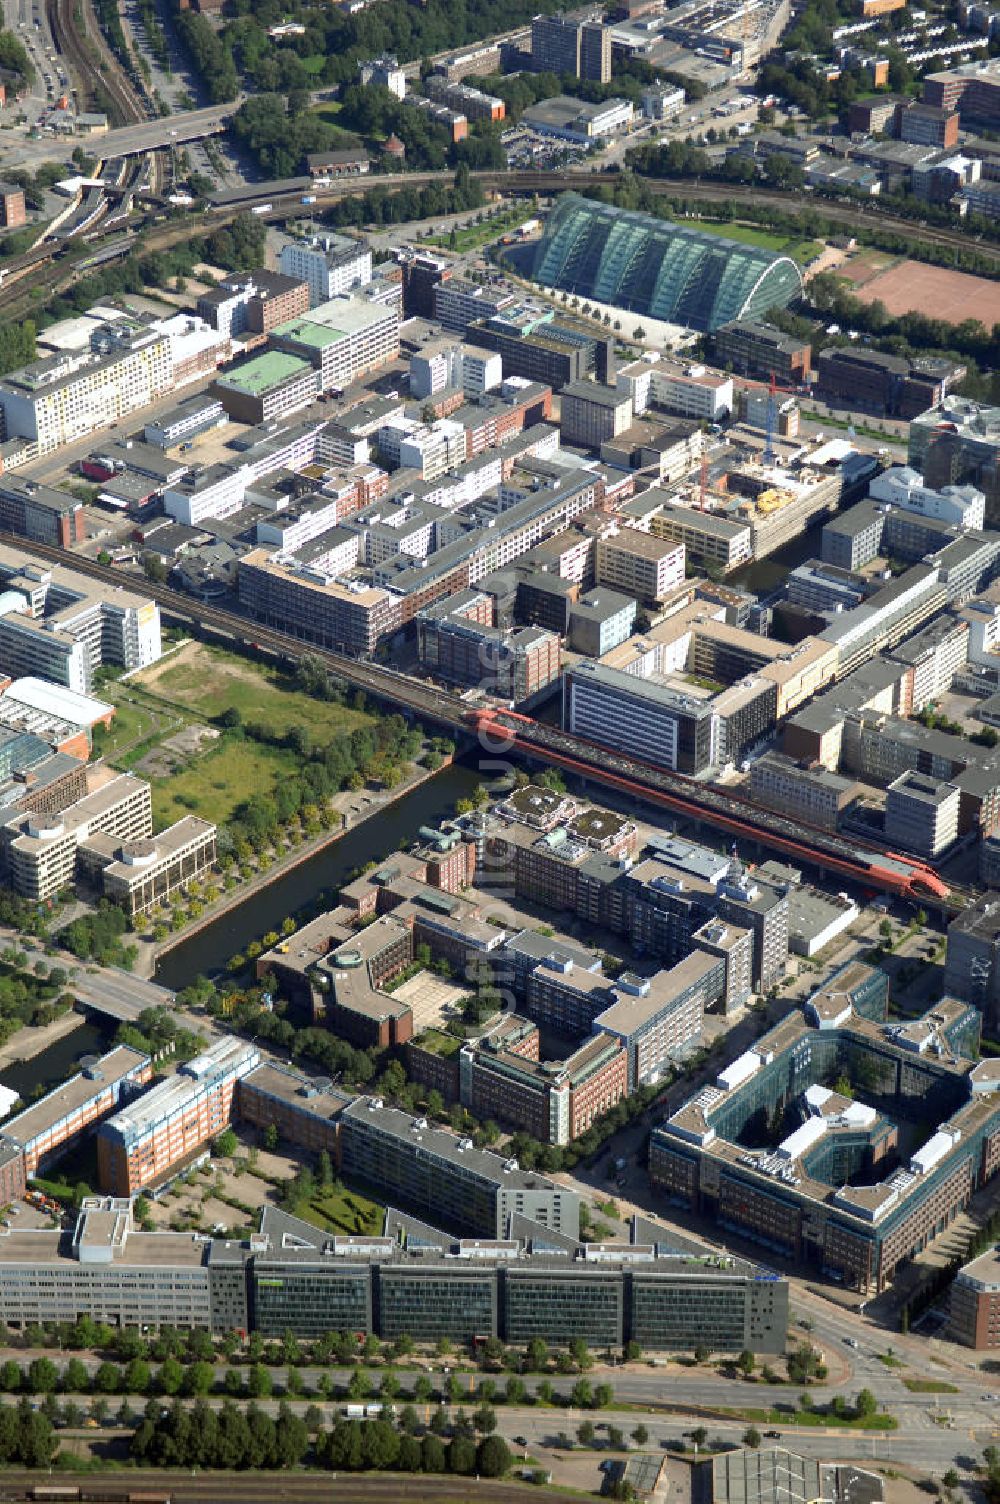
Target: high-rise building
[
  {"x": 329, "y": 265},
  {"x": 560, "y": 45}
]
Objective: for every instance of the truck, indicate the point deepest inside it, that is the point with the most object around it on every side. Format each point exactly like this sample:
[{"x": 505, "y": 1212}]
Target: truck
[{"x": 309, "y": 198}]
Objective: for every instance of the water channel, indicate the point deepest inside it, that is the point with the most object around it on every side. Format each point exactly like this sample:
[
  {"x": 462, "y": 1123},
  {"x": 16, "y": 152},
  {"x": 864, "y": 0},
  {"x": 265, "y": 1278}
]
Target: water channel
[{"x": 314, "y": 883}]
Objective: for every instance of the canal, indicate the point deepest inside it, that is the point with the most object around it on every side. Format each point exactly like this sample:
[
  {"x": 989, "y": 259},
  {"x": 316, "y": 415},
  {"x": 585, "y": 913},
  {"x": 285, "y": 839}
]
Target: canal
[
  {"x": 57, "y": 1060},
  {"x": 314, "y": 884}
]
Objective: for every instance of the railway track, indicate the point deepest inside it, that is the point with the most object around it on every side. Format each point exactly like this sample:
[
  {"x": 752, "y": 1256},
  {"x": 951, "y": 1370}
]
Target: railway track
[
  {"x": 89, "y": 57},
  {"x": 853, "y": 858}
]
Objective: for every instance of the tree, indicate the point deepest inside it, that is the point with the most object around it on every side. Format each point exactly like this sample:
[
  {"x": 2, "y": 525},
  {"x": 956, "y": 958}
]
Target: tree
[
  {"x": 138, "y": 1377},
  {"x": 493, "y": 1457},
  {"x": 701, "y": 1353},
  {"x": 640, "y": 1435},
  {"x": 699, "y": 1436},
  {"x": 751, "y": 1437},
  {"x": 746, "y": 1363},
  {"x": 585, "y": 1433},
  {"x": 259, "y": 1384},
  {"x": 271, "y": 1137},
  {"x": 582, "y": 1396},
  {"x": 42, "y": 1377},
  {"x": 433, "y": 1456},
  {"x": 865, "y": 1405},
  {"x": 107, "y": 1379},
  {"x": 485, "y": 1419},
  {"x": 324, "y": 1171},
  {"x": 170, "y": 1377},
  {"x": 226, "y": 1144},
  {"x": 76, "y": 1379}
]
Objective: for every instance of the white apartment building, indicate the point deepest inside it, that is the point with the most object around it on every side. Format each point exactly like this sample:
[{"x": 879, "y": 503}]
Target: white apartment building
[
  {"x": 61, "y": 397},
  {"x": 448, "y": 363},
  {"x": 343, "y": 339},
  {"x": 903, "y": 487},
  {"x": 693, "y": 393},
  {"x": 385, "y": 73},
  {"x": 639, "y": 564},
  {"x": 329, "y": 264},
  {"x": 435, "y": 368},
  {"x": 482, "y": 370},
  {"x": 439, "y": 448}
]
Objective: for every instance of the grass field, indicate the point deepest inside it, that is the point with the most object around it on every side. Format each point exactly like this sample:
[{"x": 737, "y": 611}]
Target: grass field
[
  {"x": 135, "y": 724},
  {"x": 800, "y": 250},
  {"x": 196, "y": 685},
  {"x": 208, "y": 681},
  {"x": 213, "y": 784}
]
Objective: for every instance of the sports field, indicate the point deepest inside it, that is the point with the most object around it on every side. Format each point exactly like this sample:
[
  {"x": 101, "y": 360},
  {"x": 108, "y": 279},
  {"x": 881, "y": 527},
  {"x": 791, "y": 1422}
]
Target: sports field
[{"x": 915, "y": 287}]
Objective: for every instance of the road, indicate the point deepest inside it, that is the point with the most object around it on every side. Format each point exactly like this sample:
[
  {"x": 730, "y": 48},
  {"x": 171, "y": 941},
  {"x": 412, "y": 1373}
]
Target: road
[{"x": 130, "y": 140}]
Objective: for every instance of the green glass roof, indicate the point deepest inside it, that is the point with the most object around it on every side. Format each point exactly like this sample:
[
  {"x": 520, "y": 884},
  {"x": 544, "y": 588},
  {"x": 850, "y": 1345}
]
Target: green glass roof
[{"x": 655, "y": 267}]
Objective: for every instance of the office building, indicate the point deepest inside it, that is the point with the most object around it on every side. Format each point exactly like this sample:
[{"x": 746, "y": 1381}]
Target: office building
[
  {"x": 757, "y": 349},
  {"x": 832, "y": 1194},
  {"x": 959, "y": 506},
  {"x": 804, "y": 790},
  {"x": 974, "y": 1302},
  {"x": 695, "y": 392},
  {"x": 927, "y": 125},
  {"x": 59, "y": 398},
  {"x": 139, "y": 874},
  {"x": 973, "y": 89},
  {"x": 513, "y": 664},
  {"x": 12, "y": 206},
  {"x": 330, "y": 265},
  {"x": 957, "y": 443},
  {"x": 885, "y": 385},
  {"x": 267, "y": 386},
  {"x": 600, "y": 620},
  {"x": 253, "y": 302},
  {"x": 553, "y": 1100},
  {"x": 710, "y": 541},
  {"x": 457, "y": 303},
  {"x": 639, "y": 564},
  {"x": 50, "y": 1126},
  {"x": 61, "y": 626},
  {"x": 537, "y": 346},
  {"x": 921, "y": 814},
  {"x": 413, "y": 1281},
  {"x": 591, "y": 413},
  {"x": 972, "y": 963},
  {"x": 343, "y": 339},
  {"x": 569, "y": 119},
  {"x": 434, "y": 1173},
  {"x": 189, "y": 418},
  {"x": 41, "y": 853},
  {"x": 40, "y": 512},
  {"x": 582, "y": 49},
  {"x": 762, "y": 909},
  {"x": 384, "y": 73},
  {"x": 163, "y": 1131},
  {"x": 305, "y": 1111}
]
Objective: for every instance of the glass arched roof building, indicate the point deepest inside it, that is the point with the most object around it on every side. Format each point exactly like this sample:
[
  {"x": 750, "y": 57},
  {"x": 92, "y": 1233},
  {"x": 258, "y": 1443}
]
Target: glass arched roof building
[{"x": 655, "y": 267}]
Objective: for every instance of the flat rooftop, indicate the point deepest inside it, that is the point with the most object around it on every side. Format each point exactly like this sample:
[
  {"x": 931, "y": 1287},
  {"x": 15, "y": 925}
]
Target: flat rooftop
[{"x": 74, "y": 1094}]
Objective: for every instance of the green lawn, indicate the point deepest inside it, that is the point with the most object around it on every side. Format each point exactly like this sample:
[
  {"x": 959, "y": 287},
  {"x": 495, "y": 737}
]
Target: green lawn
[
  {"x": 207, "y": 681},
  {"x": 213, "y": 784},
  {"x": 930, "y": 1386},
  {"x": 800, "y": 250},
  {"x": 135, "y": 724},
  {"x": 479, "y": 235},
  {"x": 437, "y": 1042},
  {"x": 344, "y": 1211}
]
